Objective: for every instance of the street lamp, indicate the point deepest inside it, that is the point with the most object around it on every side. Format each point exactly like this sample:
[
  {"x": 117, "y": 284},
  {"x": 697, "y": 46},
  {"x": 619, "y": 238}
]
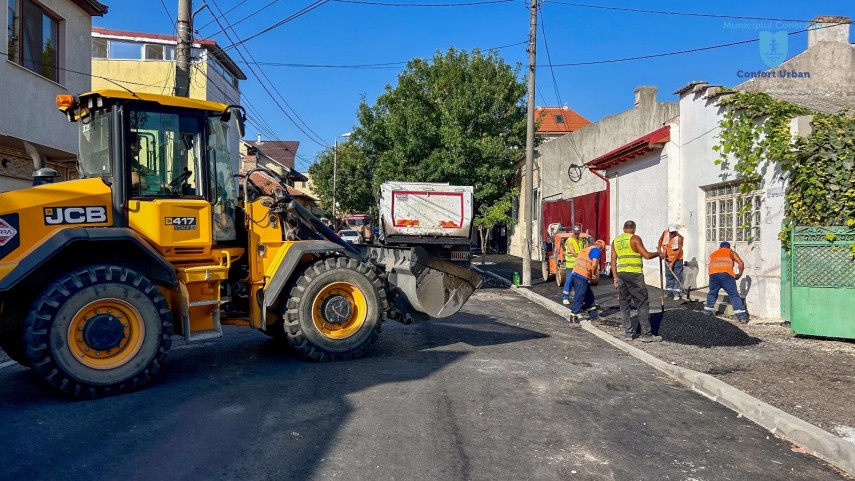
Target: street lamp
[{"x": 335, "y": 170}]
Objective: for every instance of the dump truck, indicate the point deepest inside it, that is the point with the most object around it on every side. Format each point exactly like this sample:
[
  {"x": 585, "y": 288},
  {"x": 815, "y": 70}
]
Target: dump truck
[
  {"x": 98, "y": 274},
  {"x": 434, "y": 216}
]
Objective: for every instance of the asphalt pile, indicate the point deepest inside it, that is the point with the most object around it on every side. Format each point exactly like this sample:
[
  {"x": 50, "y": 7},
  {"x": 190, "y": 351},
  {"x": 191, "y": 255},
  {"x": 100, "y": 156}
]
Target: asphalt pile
[{"x": 689, "y": 327}]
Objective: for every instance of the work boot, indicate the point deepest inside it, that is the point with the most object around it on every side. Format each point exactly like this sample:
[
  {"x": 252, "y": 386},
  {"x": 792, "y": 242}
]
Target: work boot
[
  {"x": 676, "y": 297},
  {"x": 593, "y": 312},
  {"x": 743, "y": 320},
  {"x": 629, "y": 337},
  {"x": 651, "y": 338},
  {"x": 574, "y": 320},
  {"x": 566, "y": 301}
]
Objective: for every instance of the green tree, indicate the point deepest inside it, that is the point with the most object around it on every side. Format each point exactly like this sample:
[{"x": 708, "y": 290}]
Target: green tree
[
  {"x": 493, "y": 215},
  {"x": 459, "y": 118},
  {"x": 354, "y": 190}
]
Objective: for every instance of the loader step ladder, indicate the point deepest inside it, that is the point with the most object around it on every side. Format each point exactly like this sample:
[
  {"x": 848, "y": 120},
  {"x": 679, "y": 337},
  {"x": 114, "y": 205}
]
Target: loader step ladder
[{"x": 202, "y": 320}]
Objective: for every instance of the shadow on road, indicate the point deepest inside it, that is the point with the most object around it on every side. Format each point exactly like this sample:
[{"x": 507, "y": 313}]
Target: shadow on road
[{"x": 241, "y": 408}]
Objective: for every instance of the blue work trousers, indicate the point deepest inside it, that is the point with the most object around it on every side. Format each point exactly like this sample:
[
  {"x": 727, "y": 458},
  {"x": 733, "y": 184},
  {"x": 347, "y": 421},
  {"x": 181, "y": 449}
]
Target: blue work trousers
[
  {"x": 568, "y": 282},
  {"x": 674, "y": 285},
  {"x": 583, "y": 297},
  {"x": 727, "y": 282}
]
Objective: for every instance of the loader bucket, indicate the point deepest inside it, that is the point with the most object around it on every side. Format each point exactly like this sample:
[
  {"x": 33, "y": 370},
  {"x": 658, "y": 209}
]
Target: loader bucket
[{"x": 431, "y": 286}]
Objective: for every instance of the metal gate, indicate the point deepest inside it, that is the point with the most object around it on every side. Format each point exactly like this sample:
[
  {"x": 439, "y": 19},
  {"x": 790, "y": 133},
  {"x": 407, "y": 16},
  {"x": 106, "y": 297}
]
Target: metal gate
[{"x": 822, "y": 281}]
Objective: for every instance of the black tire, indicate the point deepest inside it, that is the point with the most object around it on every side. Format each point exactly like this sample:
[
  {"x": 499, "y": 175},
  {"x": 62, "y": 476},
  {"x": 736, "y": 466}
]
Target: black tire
[
  {"x": 306, "y": 337},
  {"x": 64, "y": 303},
  {"x": 560, "y": 276},
  {"x": 544, "y": 270}
]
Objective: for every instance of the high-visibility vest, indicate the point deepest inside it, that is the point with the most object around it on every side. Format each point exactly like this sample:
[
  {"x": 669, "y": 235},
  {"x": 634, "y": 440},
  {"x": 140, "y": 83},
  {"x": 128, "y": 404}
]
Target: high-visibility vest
[
  {"x": 627, "y": 259},
  {"x": 721, "y": 262},
  {"x": 584, "y": 265},
  {"x": 671, "y": 246},
  {"x": 570, "y": 258}
]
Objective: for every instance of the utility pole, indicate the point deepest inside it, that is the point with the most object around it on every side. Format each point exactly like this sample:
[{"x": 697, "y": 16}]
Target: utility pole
[
  {"x": 529, "y": 149},
  {"x": 182, "y": 51}
]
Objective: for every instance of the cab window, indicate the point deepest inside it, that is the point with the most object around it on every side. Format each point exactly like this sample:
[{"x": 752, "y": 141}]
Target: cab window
[{"x": 164, "y": 154}]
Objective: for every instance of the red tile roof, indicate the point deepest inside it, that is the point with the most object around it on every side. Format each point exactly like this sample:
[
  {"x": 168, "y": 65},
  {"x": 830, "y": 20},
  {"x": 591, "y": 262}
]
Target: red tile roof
[
  {"x": 549, "y": 117},
  {"x": 637, "y": 147},
  {"x": 267, "y": 183}
]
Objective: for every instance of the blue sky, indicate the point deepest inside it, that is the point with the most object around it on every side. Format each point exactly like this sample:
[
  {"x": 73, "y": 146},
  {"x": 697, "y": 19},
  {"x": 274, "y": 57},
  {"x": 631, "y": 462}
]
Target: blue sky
[{"x": 339, "y": 33}]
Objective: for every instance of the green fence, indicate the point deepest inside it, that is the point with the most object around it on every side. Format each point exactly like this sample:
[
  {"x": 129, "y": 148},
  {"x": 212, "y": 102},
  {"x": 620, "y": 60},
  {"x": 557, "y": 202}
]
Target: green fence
[{"x": 821, "y": 274}]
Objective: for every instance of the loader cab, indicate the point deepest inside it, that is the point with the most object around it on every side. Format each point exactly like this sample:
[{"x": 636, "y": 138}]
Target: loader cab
[{"x": 167, "y": 161}]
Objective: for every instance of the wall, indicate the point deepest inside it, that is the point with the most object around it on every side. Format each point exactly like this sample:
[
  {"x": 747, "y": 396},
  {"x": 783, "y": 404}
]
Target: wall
[
  {"x": 640, "y": 191},
  {"x": 592, "y": 141},
  {"x": 36, "y": 118},
  {"x": 515, "y": 243},
  {"x": 761, "y": 285}
]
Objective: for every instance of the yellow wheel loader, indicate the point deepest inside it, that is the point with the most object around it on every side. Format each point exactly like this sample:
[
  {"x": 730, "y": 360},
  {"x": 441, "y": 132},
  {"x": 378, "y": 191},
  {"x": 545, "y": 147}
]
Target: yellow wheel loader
[{"x": 154, "y": 240}]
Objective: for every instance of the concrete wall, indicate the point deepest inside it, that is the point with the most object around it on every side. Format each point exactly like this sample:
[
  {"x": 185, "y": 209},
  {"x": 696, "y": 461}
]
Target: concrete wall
[
  {"x": 590, "y": 142},
  {"x": 761, "y": 284},
  {"x": 28, "y": 103},
  {"x": 640, "y": 190},
  {"x": 515, "y": 244}
]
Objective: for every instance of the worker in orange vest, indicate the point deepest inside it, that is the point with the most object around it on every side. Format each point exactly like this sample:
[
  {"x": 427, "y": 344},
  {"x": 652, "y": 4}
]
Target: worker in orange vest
[
  {"x": 722, "y": 276},
  {"x": 586, "y": 272},
  {"x": 671, "y": 244}
]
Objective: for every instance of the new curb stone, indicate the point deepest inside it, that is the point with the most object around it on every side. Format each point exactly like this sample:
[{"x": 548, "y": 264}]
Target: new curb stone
[{"x": 814, "y": 440}]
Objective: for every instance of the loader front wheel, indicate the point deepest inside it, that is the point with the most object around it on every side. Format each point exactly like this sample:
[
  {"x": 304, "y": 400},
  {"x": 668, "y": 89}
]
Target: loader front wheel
[
  {"x": 98, "y": 331},
  {"x": 560, "y": 276},
  {"x": 335, "y": 310}
]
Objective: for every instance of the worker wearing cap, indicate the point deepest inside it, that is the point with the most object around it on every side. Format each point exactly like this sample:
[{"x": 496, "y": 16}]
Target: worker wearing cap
[
  {"x": 722, "y": 276},
  {"x": 586, "y": 271},
  {"x": 627, "y": 254},
  {"x": 572, "y": 247},
  {"x": 671, "y": 244}
]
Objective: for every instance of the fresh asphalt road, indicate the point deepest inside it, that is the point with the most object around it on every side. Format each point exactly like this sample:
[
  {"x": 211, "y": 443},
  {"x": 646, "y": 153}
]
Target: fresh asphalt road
[{"x": 504, "y": 390}]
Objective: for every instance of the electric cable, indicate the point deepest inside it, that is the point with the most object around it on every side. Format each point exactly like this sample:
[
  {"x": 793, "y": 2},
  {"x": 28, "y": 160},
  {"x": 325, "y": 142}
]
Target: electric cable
[{"x": 293, "y": 16}]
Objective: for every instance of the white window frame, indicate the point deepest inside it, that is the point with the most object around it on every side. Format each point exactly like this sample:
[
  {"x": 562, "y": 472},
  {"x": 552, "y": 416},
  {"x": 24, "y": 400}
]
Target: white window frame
[{"x": 722, "y": 203}]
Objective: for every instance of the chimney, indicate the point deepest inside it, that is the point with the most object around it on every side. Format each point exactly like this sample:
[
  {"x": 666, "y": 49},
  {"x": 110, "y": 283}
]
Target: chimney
[
  {"x": 645, "y": 96},
  {"x": 259, "y": 139},
  {"x": 827, "y": 28}
]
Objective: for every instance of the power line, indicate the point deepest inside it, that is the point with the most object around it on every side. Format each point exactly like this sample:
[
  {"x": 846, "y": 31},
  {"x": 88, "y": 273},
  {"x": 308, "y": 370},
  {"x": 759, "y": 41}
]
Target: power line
[
  {"x": 168, "y": 14},
  {"x": 317, "y": 139},
  {"x": 441, "y": 5},
  {"x": 241, "y": 2},
  {"x": 383, "y": 65},
  {"x": 254, "y": 13},
  {"x": 293, "y": 16},
  {"x": 663, "y": 12}
]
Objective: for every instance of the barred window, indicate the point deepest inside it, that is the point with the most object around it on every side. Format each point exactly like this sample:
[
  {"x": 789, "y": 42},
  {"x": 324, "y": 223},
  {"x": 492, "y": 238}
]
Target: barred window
[{"x": 724, "y": 222}]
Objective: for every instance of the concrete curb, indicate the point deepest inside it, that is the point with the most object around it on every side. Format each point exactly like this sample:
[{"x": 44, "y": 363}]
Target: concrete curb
[{"x": 814, "y": 440}]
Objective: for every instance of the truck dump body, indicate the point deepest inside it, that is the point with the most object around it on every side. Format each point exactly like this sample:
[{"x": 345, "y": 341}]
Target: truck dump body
[{"x": 417, "y": 209}]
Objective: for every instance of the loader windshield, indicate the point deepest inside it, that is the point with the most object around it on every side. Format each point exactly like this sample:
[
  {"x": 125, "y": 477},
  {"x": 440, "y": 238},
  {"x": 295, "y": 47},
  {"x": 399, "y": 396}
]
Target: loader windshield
[
  {"x": 164, "y": 153},
  {"x": 94, "y": 153}
]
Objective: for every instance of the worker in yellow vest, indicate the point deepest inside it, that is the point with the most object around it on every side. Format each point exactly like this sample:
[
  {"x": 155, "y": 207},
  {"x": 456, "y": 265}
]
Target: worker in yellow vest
[
  {"x": 586, "y": 272},
  {"x": 671, "y": 244},
  {"x": 722, "y": 276},
  {"x": 573, "y": 245},
  {"x": 627, "y": 254}
]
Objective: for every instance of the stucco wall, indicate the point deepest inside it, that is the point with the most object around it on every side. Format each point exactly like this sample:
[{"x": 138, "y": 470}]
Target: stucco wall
[
  {"x": 639, "y": 192},
  {"x": 591, "y": 141},
  {"x": 761, "y": 284},
  {"x": 28, "y": 100}
]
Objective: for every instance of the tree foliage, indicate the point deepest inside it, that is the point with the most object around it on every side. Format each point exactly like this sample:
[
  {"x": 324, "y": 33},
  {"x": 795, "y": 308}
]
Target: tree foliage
[
  {"x": 459, "y": 118},
  {"x": 354, "y": 191},
  {"x": 820, "y": 167}
]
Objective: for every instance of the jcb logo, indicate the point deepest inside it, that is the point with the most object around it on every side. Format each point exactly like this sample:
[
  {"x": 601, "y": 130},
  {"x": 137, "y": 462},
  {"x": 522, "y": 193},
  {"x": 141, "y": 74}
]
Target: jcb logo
[{"x": 75, "y": 215}]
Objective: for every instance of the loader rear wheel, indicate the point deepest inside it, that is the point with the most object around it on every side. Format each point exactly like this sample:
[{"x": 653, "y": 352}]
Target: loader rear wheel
[
  {"x": 560, "y": 276},
  {"x": 335, "y": 310},
  {"x": 98, "y": 331},
  {"x": 544, "y": 270}
]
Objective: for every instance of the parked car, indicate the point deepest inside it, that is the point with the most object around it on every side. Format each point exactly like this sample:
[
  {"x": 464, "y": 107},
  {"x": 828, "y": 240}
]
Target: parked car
[{"x": 350, "y": 235}]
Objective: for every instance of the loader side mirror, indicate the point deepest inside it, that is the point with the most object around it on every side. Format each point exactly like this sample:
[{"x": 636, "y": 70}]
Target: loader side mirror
[{"x": 240, "y": 121}]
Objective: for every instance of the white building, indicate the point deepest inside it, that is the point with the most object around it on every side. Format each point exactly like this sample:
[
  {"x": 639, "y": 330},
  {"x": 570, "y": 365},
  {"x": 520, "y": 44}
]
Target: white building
[{"x": 46, "y": 52}]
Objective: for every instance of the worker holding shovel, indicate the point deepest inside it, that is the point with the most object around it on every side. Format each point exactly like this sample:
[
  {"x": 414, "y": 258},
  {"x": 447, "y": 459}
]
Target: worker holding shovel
[
  {"x": 671, "y": 244},
  {"x": 627, "y": 253}
]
